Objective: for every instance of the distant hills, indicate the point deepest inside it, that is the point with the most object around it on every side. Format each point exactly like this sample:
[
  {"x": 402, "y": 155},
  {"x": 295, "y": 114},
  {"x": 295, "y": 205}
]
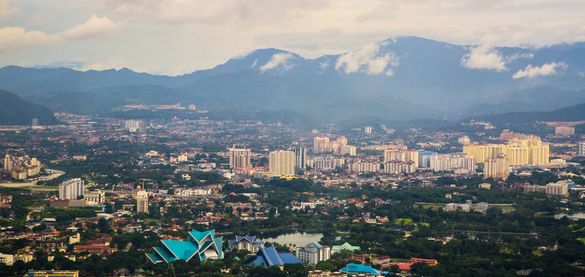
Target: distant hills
[
  {"x": 403, "y": 78},
  {"x": 15, "y": 111},
  {"x": 572, "y": 113}
]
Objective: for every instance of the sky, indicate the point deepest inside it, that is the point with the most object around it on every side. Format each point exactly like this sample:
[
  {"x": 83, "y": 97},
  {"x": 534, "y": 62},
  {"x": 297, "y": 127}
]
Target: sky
[{"x": 175, "y": 37}]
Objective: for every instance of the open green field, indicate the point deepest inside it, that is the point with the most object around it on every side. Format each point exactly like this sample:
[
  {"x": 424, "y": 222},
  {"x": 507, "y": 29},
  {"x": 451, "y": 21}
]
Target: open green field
[{"x": 403, "y": 221}]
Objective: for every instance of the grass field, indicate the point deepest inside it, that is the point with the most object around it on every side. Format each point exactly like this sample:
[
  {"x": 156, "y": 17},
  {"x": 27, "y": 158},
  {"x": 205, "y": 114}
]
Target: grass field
[{"x": 403, "y": 221}]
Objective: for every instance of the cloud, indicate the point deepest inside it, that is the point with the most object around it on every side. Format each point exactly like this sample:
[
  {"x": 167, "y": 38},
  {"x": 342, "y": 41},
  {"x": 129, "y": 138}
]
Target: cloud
[
  {"x": 484, "y": 57},
  {"x": 95, "y": 26},
  {"x": 7, "y": 10},
  {"x": 279, "y": 60},
  {"x": 546, "y": 69},
  {"x": 213, "y": 12},
  {"x": 369, "y": 59},
  {"x": 14, "y": 38}
]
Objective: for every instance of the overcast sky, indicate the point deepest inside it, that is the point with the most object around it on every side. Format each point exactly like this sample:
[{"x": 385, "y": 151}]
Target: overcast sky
[{"x": 179, "y": 36}]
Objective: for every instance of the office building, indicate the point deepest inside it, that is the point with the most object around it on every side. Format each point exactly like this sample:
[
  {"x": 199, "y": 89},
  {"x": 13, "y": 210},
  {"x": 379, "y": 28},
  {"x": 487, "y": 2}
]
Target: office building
[
  {"x": 71, "y": 189},
  {"x": 497, "y": 168},
  {"x": 239, "y": 158},
  {"x": 565, "y": 131},
  {"x": 282, "y": 163},
  {"x": 142, "y": 201},
  {"x": 313, "y": 253}
]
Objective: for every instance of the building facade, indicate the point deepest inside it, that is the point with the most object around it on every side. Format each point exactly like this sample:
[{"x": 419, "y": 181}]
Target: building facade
[
  {"x": 71, "y": 189},
  {"x": 282, "y": 163},
  {"x": 239, "y": 158},
  {"x": 313, "y": 253},
  {"x": 497, "y": 168}
]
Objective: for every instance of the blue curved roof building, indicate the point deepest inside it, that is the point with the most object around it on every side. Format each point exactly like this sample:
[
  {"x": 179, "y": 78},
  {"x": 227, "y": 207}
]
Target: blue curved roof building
[{"x": 201, "y": 245}]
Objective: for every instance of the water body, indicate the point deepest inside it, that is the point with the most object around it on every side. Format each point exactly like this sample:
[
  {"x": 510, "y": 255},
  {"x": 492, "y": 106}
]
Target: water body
[{"x": 296, "y": 239}]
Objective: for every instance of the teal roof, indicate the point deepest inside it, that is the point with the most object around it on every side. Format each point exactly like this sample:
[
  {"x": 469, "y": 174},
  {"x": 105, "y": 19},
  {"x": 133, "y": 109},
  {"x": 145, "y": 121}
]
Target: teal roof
[
  {"x": 199, "y": 236},
  {"x": 183, "y": 250},
  {"x": 173, "y": 250},
  {"x": 218, "y": 245},
  {"x": 154, "y": 258},
  {"x": 360, "y": 268},
  {"x": 345, "y": 246},
  {"x": 165, "y": 254}
]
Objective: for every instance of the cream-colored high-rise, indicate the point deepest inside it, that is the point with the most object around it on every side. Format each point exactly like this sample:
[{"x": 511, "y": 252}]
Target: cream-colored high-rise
[{"x": 282, "y": 163}]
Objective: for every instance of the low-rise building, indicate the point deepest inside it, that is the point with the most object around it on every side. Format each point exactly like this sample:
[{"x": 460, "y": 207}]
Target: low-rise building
[{"x": 314, "y": 253}]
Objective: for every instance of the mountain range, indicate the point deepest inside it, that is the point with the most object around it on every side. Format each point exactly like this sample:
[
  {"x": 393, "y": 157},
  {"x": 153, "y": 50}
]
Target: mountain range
[
  {"x": 401, "y": 78},
  {"x": 15, "y": 111}
]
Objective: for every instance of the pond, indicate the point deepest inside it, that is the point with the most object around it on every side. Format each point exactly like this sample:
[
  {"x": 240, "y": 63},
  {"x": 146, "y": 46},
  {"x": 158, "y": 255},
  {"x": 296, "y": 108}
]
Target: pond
[{"x": 296, "y": 239}]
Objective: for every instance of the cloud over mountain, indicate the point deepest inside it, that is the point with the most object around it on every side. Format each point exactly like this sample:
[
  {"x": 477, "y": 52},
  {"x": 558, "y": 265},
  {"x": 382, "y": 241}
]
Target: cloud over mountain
[
  {"x": 280, "y": 61},
  {"x": 370, "y": 59},
  {"x": 547, "y": 69},
  {"x": 484, "y": 57}
]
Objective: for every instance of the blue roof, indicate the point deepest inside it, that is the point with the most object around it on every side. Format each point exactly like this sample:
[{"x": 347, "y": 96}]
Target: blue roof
[
  {"x": 183, "y": 250},
  {"x": 248, "y": 238},
  {"x": 359, "y": 268},
  {"x": 289, "y": 258},
  {"x": 268, "y": 256},
  {"x": 271, "y": 255}
]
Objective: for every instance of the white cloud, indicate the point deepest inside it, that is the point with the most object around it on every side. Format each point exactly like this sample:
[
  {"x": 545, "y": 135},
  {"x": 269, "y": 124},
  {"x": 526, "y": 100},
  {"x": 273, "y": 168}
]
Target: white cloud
[
  {"x": 484, "y": 57},
  {"x": 546, "y": 69},
  {"x": 280, "y": 61},
  {"x": 95, "y": 26},
  {"x": 369, "y": 59},
  {"x": 13, "y": 38}
]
